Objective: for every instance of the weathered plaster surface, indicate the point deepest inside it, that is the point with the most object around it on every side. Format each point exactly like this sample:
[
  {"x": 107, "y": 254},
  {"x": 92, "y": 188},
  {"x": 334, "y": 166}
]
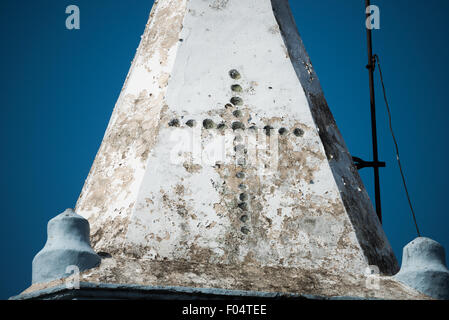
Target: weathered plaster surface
[
  {"x": 359, "y": 208},
  {"x": 110, "y": 191},
  {"x": 308, "y": 225},
  {"x": 125, "y": 271},
  {"x": 90, "y": 290}
]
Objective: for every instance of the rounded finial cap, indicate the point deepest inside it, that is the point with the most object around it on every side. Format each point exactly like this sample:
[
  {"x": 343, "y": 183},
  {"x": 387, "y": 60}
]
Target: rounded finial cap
[
  {"x": 68, "y": 245},
  {"x": 424, "y": 268}
]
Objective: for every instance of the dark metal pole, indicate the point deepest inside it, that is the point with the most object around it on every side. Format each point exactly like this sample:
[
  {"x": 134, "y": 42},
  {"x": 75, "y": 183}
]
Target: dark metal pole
[{"x": 371, "y": 66}]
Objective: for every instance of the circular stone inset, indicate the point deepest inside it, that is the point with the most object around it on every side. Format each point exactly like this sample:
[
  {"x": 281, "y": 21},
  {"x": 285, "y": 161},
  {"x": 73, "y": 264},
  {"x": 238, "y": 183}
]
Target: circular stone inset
[
  {"x": 237, "y": 113},
  {"x": 243, "y": 197},
  {"x": 236, "y": 88},
  {"x": 282, "y": 131},
  {"x": 234, "y": 74},
  {"x": 208, "y": 124},
  {"x": 236, "y": 101},
  {"x": 174, "y": 123},
  {"x": 298, "y": 132},
  {"x": 238, "y": 125},
  {"x": 191, "y": 123}
]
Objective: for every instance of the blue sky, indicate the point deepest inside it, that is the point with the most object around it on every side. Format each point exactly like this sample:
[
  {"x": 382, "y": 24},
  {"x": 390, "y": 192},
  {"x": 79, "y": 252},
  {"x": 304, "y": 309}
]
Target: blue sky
[{"x": 59, "y": 87}]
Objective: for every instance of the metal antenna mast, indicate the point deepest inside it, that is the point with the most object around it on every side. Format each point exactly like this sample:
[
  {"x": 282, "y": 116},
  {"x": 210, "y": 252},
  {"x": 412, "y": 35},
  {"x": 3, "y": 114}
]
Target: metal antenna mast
[
  {"x": 375, "y": 164},
  {"x": 371, "y": 66}
]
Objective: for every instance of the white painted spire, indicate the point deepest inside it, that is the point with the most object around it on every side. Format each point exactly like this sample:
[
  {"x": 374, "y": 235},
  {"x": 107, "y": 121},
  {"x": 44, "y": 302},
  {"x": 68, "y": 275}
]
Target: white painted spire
[{"x": 285, "y": 212}]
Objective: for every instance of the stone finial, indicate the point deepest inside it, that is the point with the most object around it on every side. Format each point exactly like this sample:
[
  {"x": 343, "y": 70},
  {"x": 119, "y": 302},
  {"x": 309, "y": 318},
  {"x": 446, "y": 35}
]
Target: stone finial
[
  {"x": 68, "y": 244},
  {"x": 424, "y": 268}
]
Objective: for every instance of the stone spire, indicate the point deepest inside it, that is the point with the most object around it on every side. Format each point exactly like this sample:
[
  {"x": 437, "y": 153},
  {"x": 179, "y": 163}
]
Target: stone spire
[{"x": 222, "y": 166}]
